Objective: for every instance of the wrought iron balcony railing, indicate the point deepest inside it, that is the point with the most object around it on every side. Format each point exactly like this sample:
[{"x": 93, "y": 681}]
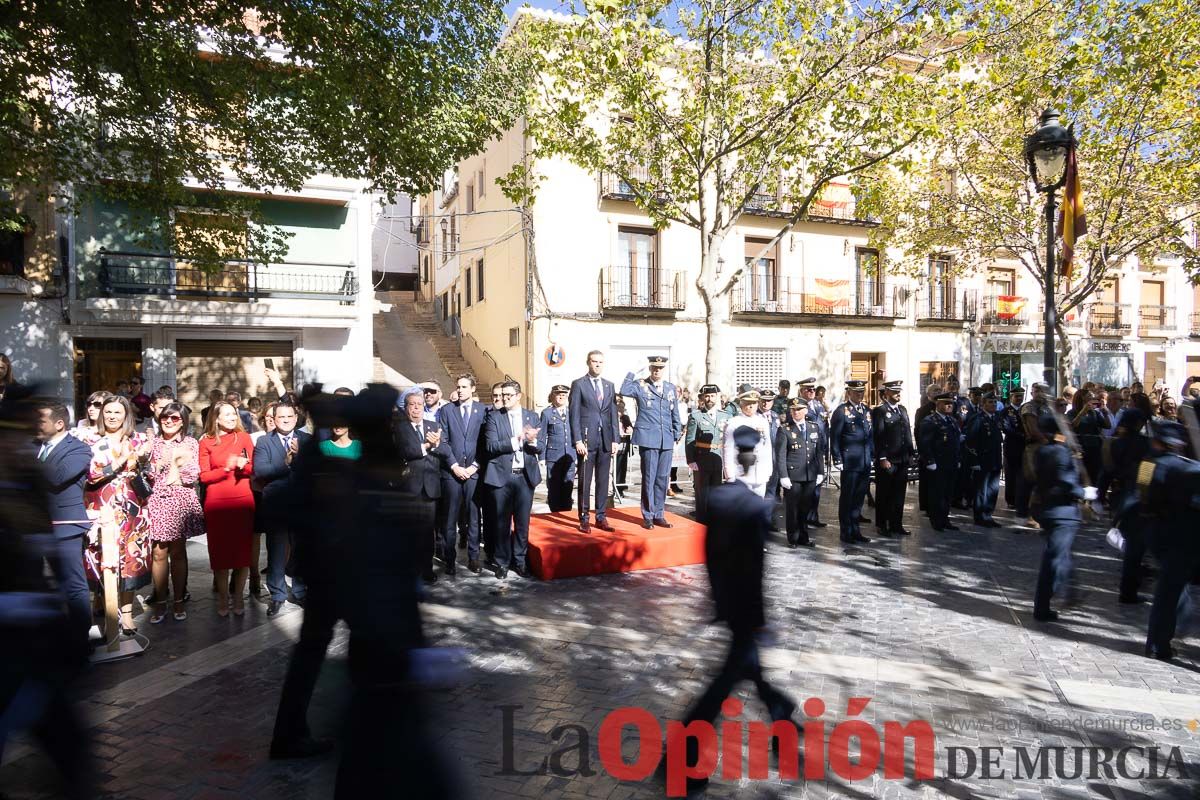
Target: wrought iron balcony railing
[
  {"x": 142, "y": 274},
  {"x": 1156, "y": 320},
  {"x": 613, "y": 187},
  {"x": 642, "y": 288},
  {"x": 760, "y": 293},
  {"x": 1005, "y": 311},
  {"x": 941, "y": 302},
  {"x": 1109, "y": 319}
]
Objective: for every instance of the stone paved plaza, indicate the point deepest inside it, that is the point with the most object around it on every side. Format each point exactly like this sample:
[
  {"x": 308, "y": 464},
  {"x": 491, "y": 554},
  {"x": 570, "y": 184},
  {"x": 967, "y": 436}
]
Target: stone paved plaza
[{"x": 935, "y": 627}]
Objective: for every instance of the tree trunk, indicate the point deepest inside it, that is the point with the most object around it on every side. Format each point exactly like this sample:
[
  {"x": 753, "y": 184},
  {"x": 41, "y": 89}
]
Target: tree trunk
[
  {"x": 1064, "y": 354},
  {"x": 716, "y": 311}
]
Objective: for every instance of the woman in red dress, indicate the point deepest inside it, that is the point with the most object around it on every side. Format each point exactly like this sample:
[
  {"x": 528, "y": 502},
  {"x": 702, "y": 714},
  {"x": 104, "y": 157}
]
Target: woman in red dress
[{"x": 226, "y": 465}]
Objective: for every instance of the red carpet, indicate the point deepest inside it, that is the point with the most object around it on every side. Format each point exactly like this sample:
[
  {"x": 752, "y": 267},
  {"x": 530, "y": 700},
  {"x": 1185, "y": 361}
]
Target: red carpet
[{"x": 558, "y": 550}]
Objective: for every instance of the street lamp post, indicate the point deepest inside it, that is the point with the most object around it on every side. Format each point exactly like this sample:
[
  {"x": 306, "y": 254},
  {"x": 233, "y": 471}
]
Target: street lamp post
[{"x": 1046, "y": 153}]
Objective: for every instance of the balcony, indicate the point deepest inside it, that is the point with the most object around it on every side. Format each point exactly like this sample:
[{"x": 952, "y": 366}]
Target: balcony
[
  {"x": 640, "y": 290},
  {"x": 764, "y": 204},
  {"x": 942, "y": 303},
  {"x": 155, "y": 275},
  {"x": 614, "y": 187},
  {"x": 1005, "y": 311},
  {"x": 1156, "y": 321},
  {"x": 1109, "y": 319},
  {"x": 761, "y": 296}
]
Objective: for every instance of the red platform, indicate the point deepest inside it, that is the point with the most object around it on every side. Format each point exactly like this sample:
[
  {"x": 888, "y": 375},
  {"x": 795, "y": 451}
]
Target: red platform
[{"x": 558, "y": 550}]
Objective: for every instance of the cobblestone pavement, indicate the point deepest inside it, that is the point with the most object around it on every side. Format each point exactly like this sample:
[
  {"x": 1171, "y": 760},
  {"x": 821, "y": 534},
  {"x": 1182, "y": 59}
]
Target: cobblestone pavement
[{"x": 933, "y": 627}]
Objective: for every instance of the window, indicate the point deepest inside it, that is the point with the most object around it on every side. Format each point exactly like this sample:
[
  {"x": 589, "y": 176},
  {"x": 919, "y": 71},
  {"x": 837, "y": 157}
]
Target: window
[
  {"x": 479, "y": 279},
  {"x": 445, "y": 306},
  {"x": 479, "y": 180},
  {"x": 425, "y": 275},
  {"x": 514, "y": 337},
  {"x": 941, "y": 287},
  {"x": 761, "y": 367},
  {"x": 454, "y": 232},
  {"x": 936, "y": 372},
  {"x": 868, "y": 274},
  {"x": 1002, "y": 283},
  {"x": 762, "y": 276},
  {"x": 635, "y": 276},
  {"x": 470, "y": 198},
  {"x": 467, "y": 285},
  {"x": 12, "y": 253}
]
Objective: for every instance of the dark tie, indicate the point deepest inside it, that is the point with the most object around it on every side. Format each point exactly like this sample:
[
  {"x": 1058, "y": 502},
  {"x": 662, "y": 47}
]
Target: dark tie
[
  {"x": 464, "y": 415},
  {"x": 599, "y": 391}
]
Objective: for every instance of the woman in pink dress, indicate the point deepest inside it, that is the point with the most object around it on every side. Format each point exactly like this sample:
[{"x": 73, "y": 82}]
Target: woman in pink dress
[
  {"x": 175, "y": 513},
  {"x": 226, "y": 466},
  {"x": 116, "y": 456}
]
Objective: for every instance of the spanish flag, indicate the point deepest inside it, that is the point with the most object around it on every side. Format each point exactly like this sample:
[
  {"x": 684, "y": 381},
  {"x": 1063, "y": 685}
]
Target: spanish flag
[
  {"x": 1072, "y": 221},
  {"x": 1009, "y": 306},
  {"x": 831, "y": 294}
]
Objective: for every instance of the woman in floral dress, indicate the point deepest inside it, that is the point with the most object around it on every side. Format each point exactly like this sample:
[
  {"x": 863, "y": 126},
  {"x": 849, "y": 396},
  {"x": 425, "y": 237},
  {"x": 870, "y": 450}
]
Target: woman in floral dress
[
  {"x": 175, "y": 512},
  {"x": 115, "y": 459}
]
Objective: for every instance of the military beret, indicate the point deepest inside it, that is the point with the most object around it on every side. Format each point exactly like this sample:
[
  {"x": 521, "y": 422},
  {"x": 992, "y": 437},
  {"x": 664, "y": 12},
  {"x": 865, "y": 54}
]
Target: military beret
[
  {"x": 856, "y": 386},
  {"x": 746, "y": 437},
  {"x": 749, "y": 396},
  {"x": 657, "y": 361},
  {"x": 710, "y": 388}
]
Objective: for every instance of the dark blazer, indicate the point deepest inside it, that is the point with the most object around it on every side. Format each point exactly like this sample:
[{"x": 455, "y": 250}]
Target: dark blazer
[
  {"x": 273, "y": 472},
  {"x": 893, "y": 436},
  {"x": 984, "y": 442},
  {"x": 940, "y": 441},
  {"x": 65, "y": 470},
  {"x": 499, "y": 447},
  {"x": 799, "y": 451},
  {"x": 592, "y": 421},
  {"x": 462, "y": 440},
  {"x": 422, "y": 469}
]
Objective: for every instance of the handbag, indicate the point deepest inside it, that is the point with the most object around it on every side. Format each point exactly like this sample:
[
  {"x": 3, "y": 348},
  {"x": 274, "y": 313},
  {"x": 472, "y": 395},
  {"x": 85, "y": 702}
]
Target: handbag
[{"x": 140, "y": 483}]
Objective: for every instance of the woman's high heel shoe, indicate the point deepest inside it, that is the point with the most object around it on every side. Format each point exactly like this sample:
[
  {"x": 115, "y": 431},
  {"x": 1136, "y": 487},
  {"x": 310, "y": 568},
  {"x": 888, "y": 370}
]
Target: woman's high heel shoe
[
  {"x": 239, "y": 607},
  {"x": 222, "y": 607}
]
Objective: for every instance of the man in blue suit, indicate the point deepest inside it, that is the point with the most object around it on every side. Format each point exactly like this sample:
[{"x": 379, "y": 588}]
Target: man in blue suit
[
  {"x": 595, "y": 430},
  {"x": 273, "y": 455},
  {"x": 657, "y": 429},
  {"x": 425, "y": 454},
  {"x": 461, "y": 422},
  {"x": 512, "y": 473},
  {"x": 64, "y": 461},
  {"x": 984, "y": 455},
  {"x": 850, "y": 442}
]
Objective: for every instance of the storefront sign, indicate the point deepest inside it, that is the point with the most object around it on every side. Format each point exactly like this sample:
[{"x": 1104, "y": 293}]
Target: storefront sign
[
  {"x": 1011, "y": 344},
  {"x": 1110, "y": 347}
]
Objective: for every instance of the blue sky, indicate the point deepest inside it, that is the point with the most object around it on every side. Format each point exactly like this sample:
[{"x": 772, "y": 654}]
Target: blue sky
[{"x": 554, "y": 5}]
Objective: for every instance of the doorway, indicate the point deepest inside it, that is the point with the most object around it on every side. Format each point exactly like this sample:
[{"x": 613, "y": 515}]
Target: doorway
[
  {"x": 1006, "y": 373},
  {"x": 100, "y": 363},
  {"x": 868, "y": 367}
]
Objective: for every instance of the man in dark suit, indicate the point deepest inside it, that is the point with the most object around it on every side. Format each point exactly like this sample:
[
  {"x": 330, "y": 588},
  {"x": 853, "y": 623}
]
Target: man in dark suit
[
  {"x": 894, "y": 452},
  {"x": 426, "y": 456},
  {"x": 462, "y": 422},
  {"x": 273, "y": 455},
  {"x": 939, "y": 440},
  {"x": 64, "y": 461},
  {"x": 800, "y": 465},
  {"x": 512, "y": 473},
  {"x": 984, "y": 455},
  {"x": 852, "y": 446},
  {"x": 595, "y": 430}
]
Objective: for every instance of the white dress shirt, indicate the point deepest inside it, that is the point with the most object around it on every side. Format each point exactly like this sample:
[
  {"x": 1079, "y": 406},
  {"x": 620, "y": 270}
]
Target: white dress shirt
[{"x": 514, "y": 421}]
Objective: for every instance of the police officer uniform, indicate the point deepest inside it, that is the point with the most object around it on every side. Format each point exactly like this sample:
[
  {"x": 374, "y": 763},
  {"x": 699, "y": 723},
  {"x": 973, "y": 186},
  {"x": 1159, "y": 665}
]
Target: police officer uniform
[
  {"x": 817, "y": 413},
  {"x": 851, "y": 445},
  {"x": 964, "y": 410},
  {"x": 1128, "y": 448},
  {"x": 1057, "y": 494},
  {"x": 893, "y": 443},
  {"x": 559, "y": 454},
  {"x": 939, "y": 441},
  {"x": 984, "y": 456},
  {"x": 655, "y": 432},
  {"x": 702, "y": 447},
  {"x": 800, "y": 467},
  {"x": 1014, "y": 448}
]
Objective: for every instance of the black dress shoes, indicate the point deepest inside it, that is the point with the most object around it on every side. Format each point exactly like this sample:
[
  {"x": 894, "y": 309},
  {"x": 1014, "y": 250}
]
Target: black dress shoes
[
  {"x": 304, "y": 747},
  {"x": 584, "y": 525},
  {"x": 647, "y": 524},
  {"x": 860, "y": 539},
  {"x": 1160, "y": 654},
  {"x": 1045, "y": 616},
  {"x": 500, "y": 572},
  {"x": 808, "y": 543},
  {"x": 662, "y": 523},
  {"x": 520, "y": 571},
  {"x": 819, "y": 524},
  {"x": 604, "y": 524},
  {"x": 273, "y": 608}
]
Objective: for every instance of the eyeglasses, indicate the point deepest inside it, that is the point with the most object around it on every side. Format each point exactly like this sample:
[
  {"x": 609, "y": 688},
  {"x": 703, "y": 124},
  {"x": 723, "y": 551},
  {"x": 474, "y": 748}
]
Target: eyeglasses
[
  {"x": 170, "y": 418},
  {"x": 508, "y": 394},
  {"x": 96, "y": 404}
]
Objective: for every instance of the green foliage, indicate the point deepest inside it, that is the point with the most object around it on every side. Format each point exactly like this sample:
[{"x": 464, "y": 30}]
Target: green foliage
[{"x": 145, "y": 101}]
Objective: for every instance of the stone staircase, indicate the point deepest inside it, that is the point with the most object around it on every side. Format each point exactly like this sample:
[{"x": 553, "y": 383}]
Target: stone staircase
[{"x": 408, "y": 340}]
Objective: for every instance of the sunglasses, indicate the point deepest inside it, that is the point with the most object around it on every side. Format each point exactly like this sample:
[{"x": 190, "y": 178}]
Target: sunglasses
[
  {"x": 170, "y": 418},
  {"x": 96, "y": 404}
]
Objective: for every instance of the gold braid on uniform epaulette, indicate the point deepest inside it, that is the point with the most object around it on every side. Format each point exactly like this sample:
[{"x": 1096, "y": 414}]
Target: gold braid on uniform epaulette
[{"x": 1145, "y": 476}]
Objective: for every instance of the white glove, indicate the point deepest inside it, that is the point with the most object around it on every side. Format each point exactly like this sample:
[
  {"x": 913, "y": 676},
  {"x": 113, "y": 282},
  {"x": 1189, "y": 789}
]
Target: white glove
[
  {"x": 837, "y": 466},
  {"x": 786, "y": 483},
  {"x": 1115, "y": 539},
  {"x": 820, "y": 479},
  {"x": 931, "y": 467},
  {"x": 693, "y": 466},
  {"x": 1090, "y": 493}
]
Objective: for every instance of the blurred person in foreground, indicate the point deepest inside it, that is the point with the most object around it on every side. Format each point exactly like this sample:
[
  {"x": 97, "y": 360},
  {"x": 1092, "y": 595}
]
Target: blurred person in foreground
[
  {"x": 738, "y": 522},
  {"x": 46, "y": 651}
]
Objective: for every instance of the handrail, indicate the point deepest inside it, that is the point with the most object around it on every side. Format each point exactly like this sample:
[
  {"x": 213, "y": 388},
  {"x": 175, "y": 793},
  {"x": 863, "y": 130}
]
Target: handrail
[
  {"x": 176, "y": 257},
  {"x": 486, "y": 354}
]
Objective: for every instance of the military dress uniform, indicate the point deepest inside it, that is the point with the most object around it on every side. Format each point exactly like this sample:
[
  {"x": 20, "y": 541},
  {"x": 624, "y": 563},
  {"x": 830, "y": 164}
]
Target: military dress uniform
[
  {"x": 559, "y": 454},
  {"x": 1014, "y": 449},
  {"x": 655, "y": 432},
  {"x": 939, "y": 440},
  {"x": 851, "y": 446},
  {"x": 759, "y": 475},
  {"x": 773, "y": 423},
  {"x": 702, "y": 447},
  {"x": 964, "y": 410},
  {"x": 800, "y": 458},
  {"x": 893, "y": 441},
  {"x": 984, "y": 455}
]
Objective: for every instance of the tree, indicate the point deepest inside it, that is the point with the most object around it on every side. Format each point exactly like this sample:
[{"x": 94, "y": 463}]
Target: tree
[
  {"x": 698, "y": 108},
  {"x": 150, "y": 102},
  {"x": 1124, "y": 75}
]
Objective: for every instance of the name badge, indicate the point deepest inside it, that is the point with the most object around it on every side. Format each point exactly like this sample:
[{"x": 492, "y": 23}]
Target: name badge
[
  {"x": 813, "y": 436},
  {"x": 888, "y": 415}
]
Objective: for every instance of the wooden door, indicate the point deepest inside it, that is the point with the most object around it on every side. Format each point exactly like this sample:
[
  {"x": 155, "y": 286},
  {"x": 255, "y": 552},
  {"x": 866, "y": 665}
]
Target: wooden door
[
  {"x": 100, "y": 363},
  {"x": 865, "y": 367}
]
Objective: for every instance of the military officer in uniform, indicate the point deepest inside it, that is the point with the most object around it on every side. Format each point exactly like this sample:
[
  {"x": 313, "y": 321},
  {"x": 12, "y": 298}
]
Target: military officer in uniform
[
  {"x": 800, "y": 465},
  {"x": 894, "y": 452},
  {"x": 984, "y": 445},
  {"x": 779, "y": 407},
  {"x": 655, "y": 433},
  {"x": 1014, "y": 447},
  {"x": 939, "y": 441},
  {"x": 702, "y": 445},
  {"x": 806, "y": 390},
  {"x": 759, "y": 475},
  {"x": 559, "y": 455},
  {"x": 851, "y": 445},
  {"x": 766, "y": 404}
]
